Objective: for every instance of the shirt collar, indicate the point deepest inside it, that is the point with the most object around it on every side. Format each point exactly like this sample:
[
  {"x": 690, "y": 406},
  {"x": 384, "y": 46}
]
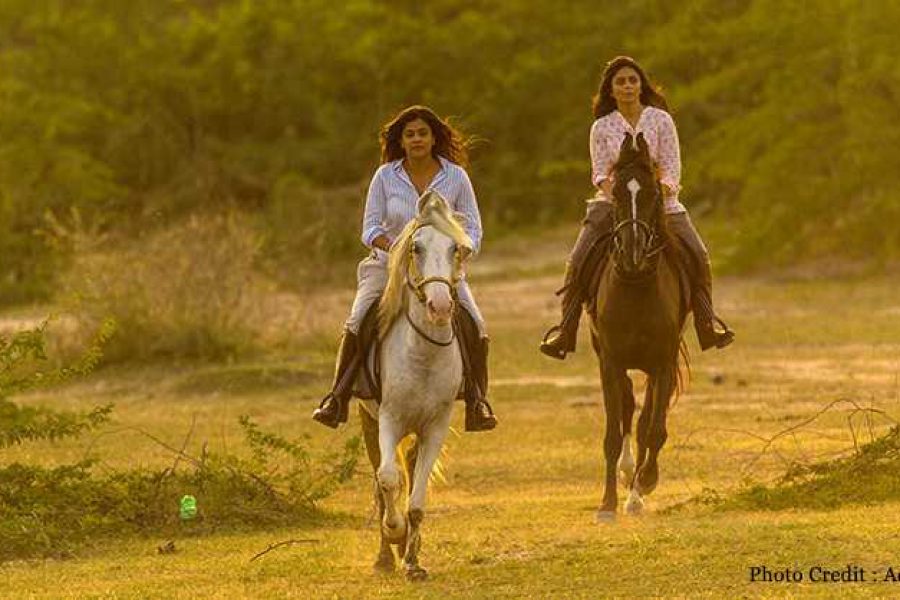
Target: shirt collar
[{"x": 397, "y": 166}]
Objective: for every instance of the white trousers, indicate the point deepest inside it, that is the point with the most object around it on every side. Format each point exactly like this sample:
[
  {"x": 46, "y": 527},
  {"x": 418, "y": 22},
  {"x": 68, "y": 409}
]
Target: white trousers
[{"x": 371, "y": 279}]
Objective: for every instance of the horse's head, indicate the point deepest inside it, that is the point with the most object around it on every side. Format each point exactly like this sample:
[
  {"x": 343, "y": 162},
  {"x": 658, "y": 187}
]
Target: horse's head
[
  {"x": 638, "y": 207},
  {"x": 428, "y": 257}
]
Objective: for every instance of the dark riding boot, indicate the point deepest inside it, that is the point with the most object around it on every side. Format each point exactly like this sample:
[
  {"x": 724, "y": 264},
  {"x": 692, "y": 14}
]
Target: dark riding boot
[
  {"x": 705, "y": 318},
  {"x": 588, "y": 252},
  {"x": 479, "y": 415},
  {"x": 474, "y": 350},
  {"x": 560, "y": 339},
  {"x": 334, "y": 407}
]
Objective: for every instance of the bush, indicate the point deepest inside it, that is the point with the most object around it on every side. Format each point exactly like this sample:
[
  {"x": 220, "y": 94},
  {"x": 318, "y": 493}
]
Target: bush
[
  {"x": 51, "y": 511},
  {"x": 188, "y": 291}
]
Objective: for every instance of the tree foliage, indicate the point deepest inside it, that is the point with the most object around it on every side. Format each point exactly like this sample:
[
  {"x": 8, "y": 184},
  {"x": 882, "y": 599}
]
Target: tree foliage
[{"x": 139, "y": 112}]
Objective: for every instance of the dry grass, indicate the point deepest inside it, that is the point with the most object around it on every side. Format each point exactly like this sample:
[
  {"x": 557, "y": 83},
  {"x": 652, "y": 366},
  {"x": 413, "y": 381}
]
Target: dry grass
[{"x": 515, "y": 519}]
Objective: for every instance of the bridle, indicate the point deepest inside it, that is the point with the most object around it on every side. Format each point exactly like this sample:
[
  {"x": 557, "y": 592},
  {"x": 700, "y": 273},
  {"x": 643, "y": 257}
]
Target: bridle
[
  {"x": 416, "y": 282},
  {"x": 655, "y": 244}
]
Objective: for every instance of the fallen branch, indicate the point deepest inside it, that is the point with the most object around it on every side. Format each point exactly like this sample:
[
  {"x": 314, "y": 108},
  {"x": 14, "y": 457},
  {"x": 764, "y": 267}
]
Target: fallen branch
[{"x": 284, "y": 543}]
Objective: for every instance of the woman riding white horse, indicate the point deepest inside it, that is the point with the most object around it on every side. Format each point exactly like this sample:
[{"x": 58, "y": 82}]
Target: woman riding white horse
[
  {"x": 419, "y": 152},
  {"x": 421, "y": 372}
]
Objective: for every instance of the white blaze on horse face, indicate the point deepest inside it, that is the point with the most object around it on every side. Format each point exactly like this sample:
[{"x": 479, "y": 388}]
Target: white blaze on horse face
[
  {"x": 437, "y": 262},
  {"x": 633, "y": 188}
]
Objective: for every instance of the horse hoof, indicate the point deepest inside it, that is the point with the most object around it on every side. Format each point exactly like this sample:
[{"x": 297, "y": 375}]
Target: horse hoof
[
  {"x": 384, "y": 564},
  {"x": 634, "y": 506},
  {"x": 416, "y": 573},
  {"x": 606, "y": 516}
]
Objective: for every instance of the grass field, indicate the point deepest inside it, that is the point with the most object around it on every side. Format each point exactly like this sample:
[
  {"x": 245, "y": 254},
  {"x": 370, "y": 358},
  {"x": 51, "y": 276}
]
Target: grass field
[{"x": 515, "y": 517}]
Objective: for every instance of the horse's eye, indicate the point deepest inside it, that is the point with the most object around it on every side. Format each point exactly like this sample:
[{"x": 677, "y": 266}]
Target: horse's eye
[{"x": 416, "y": 248}]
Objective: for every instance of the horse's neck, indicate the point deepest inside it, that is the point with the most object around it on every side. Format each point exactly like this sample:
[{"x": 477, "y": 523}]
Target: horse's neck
[{"x": 414, "y": 343}]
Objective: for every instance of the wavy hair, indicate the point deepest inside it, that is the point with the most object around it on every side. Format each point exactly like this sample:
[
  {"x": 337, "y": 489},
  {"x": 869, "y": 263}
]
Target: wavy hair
[
  {"x": 603, "y": 102},
  {"x": 449, "y": 142}
]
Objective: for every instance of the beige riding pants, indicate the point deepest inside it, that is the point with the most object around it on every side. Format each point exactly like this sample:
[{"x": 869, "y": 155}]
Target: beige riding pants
[{"x": 371, "y": 279}]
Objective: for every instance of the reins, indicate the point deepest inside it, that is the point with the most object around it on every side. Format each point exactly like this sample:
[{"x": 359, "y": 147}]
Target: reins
[{"x": 416, "y": 282}]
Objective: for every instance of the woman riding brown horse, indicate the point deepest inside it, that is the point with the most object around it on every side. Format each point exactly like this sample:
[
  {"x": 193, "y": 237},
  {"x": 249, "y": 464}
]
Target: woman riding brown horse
[
  {"x": 636, "y": 323},
  {"x": 627, "y": 103}
]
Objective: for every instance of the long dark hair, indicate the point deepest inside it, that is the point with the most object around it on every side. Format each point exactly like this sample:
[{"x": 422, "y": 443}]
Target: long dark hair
[
  {"x": 449, "y": 142},
  {"x": 603, "y": 102}
]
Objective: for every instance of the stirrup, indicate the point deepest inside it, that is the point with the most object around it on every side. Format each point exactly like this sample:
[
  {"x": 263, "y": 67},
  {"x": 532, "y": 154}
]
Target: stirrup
[
  {"x": 549, "y": 348},
  {"x": 476, "y": 419},
  {"x": 726, "y": 336},
  {"x": 331, "y": 412},
  {"x": 716, "y": 339}
]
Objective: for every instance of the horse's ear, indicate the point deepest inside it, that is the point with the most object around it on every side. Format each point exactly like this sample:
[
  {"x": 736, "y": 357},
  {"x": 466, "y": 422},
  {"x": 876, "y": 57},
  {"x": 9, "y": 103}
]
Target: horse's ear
[
  {"x": 432, "y": 200},
  {"x": 642, "y": 147},
  {"x": 425, "y": 200},
  {"x": 627, "y": 146}
]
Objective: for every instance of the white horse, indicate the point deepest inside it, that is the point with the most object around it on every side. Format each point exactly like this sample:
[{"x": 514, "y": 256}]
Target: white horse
[{"x": 421, "y": 373}]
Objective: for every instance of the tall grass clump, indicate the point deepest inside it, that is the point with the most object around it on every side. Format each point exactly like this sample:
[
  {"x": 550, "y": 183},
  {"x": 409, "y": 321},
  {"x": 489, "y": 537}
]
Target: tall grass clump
[{"x": 187, "y": 291}]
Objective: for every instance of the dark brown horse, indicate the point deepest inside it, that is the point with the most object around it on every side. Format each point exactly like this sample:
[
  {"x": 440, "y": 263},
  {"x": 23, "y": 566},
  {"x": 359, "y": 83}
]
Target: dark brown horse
[{"x": 637, "y": 321}]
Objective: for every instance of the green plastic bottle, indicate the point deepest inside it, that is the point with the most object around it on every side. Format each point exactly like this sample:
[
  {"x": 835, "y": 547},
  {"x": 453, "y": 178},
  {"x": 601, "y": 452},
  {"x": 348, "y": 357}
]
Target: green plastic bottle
[{"x": 188, "y": 508}]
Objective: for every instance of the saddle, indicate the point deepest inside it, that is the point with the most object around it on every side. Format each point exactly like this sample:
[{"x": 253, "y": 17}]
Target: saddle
[{"x": 368, "y": 381}]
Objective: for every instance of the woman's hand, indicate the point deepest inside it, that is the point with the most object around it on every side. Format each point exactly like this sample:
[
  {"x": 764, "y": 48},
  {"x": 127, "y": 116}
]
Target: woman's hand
[
  {"x": 606, "y": 188},
  {"x": 382, "y": 243}
]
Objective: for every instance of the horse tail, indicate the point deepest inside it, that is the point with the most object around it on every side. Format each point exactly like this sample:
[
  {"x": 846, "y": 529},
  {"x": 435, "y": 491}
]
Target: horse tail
[
  {"x": 682, "y": 369},
  {"x": 406, "y": 450}
]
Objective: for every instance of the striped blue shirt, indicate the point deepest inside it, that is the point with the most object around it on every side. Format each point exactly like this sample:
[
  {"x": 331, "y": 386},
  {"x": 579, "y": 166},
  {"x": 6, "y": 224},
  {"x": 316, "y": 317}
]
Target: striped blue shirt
[{"x": 391, "y": 201}]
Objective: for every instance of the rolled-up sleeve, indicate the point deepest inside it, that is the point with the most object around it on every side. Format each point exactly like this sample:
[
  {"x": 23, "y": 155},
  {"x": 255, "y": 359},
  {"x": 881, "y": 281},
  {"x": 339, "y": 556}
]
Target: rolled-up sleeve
[
  {"x": 669, "y": 155},
  {"x": 601, "y": 159},
  {"x": 374, "y": 214},
  {"x": 467, "y": 205}
]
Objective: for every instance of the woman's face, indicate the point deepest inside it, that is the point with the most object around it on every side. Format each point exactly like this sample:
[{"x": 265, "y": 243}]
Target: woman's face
[
  {"x": 417, "y": 139},
  {"x": 626, "y": 86}
]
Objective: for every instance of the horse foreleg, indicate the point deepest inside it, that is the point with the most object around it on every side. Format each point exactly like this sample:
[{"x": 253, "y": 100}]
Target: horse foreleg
[
  {"x": 648, "y": 473},
  {"x": 613, "y": 393},
  {"x": 385, "y": 560},
  {"x": 429, "y": 444},
  {"x": 393, "y": 525}
]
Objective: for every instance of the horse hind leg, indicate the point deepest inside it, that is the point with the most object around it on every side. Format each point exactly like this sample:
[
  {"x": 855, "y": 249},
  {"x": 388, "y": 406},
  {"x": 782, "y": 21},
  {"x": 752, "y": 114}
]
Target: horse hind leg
[
  {"x": 635, "y": 503},
  {"x": 647, "y": 476},
  {"x": 626, "y": 464},
  {"x": 385, "y": 562}
]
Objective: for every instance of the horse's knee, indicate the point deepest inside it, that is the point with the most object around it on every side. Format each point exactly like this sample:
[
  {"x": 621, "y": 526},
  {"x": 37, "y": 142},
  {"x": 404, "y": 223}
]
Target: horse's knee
[
  {"x": 388, "y": 479},
  {"x": 415, "y": 516}
]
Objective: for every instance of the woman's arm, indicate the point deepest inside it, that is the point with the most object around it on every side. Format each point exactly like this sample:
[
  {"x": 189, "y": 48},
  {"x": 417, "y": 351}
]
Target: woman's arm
[
  {"x": 467, "y": 204},
  {"x": 669, "y": 157},
  {"x": 601, "y": 159},
  {"x": 373, "y": 232}
]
